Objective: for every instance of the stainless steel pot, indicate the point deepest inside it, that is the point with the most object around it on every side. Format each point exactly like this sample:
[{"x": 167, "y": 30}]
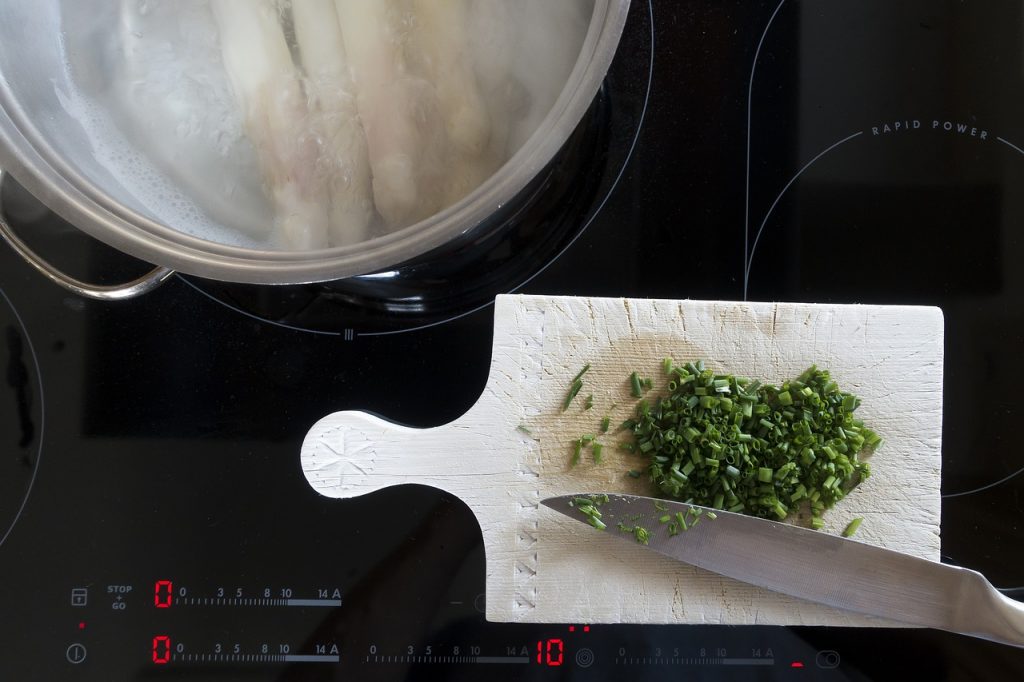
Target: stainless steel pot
[{"x": 46, "y": 151}]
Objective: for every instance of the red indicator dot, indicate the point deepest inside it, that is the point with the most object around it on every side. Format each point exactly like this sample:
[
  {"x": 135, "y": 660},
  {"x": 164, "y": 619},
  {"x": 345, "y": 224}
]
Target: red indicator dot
[
  {"x": 796, "y": 664},
  {"x": 572, "y": 628},
  {"x": 586, "y": 628},
  {"x": 81, "y": 626}
]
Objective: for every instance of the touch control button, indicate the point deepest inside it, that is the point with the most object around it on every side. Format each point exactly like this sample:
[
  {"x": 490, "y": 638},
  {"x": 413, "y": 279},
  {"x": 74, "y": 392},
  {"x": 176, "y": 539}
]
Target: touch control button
[
  {"x": 76, "y": 653},
  {"x": 79, "y": 596},
  {"x": 827, "y": 659}
]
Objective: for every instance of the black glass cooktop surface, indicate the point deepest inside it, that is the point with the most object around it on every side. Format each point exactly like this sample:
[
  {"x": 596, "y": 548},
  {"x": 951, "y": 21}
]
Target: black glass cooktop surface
[{"x": 155, "y": 522}]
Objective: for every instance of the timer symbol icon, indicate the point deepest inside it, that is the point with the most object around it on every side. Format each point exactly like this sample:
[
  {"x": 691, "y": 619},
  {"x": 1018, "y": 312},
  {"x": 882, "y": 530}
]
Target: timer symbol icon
[
  {"x": 584, "y": 658},
  {"x": 79, "y": 596}
]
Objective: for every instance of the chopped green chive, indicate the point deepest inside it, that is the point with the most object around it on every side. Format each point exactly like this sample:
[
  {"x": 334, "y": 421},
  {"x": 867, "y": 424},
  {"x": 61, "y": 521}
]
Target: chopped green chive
[
  {"x": 583, "y": 371},
  {"x": 642, "y": 535},
  {"x": 852, "y": 527},
  {"x": 574, "y": 390},
  {"x": 681, "y": 521},
  {"x": 731, "y": 443},
  {"x": 634, "y": 383},
  {"x": 588, "y": 506}
]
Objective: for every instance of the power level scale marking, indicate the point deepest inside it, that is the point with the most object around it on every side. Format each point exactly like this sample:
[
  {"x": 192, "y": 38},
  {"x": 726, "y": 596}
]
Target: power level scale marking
[
  {"x": 449, "y": 659},
  {"x": 647, "y": 660},
  {"x": 242, "y": 601},
  {"x": 312, "y": 602},
  {"x": 255, "y": 658}
]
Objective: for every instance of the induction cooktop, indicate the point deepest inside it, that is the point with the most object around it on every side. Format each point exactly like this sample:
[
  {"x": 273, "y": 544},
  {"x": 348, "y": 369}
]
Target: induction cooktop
[{"x": 154, "y": 519}]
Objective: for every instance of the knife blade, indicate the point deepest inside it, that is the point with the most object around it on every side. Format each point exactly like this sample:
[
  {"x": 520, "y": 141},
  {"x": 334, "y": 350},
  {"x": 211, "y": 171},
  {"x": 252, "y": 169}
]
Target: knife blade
[{"x": 828, "y": 569}]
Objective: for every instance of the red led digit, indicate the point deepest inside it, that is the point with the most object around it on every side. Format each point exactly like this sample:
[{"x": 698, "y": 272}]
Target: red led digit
[
  {"x": 555, "y": 653},
  {"x": 162, "y": 594},
  {"x": 540, "y": 651},
  {"x": 161, "y": 649}
]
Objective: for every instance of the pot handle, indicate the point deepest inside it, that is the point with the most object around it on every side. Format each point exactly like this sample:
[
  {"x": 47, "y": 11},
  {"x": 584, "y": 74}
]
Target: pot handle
[{"x": 101, "y": 292}]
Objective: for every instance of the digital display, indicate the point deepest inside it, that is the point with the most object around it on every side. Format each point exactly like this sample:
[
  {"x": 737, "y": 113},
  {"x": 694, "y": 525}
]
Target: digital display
[
  {"x": 163, "y": 594},
  {"x": 550, "y": 652},
  {"x": 192, "y": 646},
  {"x": 161, "y": 649},
  {"x": 198, "y": 630},
  {"x": 171, "y": 644}
]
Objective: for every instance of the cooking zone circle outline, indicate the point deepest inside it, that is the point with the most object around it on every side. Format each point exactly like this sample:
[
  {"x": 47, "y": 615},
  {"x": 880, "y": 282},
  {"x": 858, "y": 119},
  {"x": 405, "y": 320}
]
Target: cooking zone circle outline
[{"x": 42, "y": 420}]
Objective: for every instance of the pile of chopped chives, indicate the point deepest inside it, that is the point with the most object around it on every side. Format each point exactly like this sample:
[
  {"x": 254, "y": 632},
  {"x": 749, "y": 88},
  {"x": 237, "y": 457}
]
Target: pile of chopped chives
[{"x": 731, "y": 443}]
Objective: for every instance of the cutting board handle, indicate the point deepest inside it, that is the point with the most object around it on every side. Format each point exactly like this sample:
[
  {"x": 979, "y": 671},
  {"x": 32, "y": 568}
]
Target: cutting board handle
[
  {"x": 347, "y": 454},
  {"x": 354, "y": 453}
]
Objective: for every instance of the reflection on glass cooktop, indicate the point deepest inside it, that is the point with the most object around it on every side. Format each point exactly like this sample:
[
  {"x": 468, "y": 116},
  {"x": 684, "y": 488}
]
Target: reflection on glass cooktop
[{"x": 21, "y": 416}]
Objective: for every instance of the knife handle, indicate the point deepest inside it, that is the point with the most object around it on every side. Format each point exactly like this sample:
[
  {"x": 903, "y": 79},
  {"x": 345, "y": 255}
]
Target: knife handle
[
  {"x": 987, "y": 613},
  {"x": 1012, "y": 612}
]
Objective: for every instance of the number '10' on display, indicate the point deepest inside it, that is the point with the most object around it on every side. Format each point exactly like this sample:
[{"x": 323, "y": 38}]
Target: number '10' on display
[{"x": 550, "y": 652}]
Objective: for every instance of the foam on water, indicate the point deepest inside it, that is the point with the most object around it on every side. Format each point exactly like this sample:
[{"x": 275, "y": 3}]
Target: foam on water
[{"x": 152, "y": 191}]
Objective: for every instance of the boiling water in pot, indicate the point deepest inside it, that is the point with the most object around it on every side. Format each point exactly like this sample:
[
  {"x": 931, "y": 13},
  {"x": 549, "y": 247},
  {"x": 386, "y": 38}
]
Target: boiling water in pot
[{"x": 302, "y": 124}]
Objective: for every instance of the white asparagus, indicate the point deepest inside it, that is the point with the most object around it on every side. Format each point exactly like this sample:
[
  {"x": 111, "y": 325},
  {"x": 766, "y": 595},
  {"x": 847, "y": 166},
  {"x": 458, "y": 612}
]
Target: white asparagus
[
  {"x": 441, "y": 52},
  {"x": 493, "y": 45},
  {"x": 442, "y": 43},
  {"x": 267, "y": 86},
  {"x": 330, "y": 88},
  {"x": 523, "y": 53},
  {"x": 404, "y": 130}
]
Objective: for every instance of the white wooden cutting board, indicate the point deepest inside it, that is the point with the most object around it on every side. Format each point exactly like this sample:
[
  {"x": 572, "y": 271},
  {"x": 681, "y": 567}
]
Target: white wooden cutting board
[{"x": 542, "y": 567}]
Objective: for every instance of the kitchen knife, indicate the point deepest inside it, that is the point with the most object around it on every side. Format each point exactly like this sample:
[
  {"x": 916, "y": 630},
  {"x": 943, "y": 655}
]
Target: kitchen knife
[{"x": 809, "y": 564}]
